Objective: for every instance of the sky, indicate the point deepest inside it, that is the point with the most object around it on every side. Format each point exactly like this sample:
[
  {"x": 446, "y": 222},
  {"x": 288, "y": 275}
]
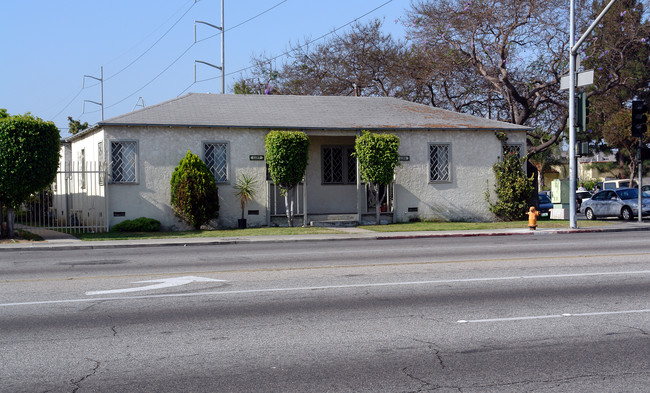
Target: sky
[{"x": 53, "y": 51}]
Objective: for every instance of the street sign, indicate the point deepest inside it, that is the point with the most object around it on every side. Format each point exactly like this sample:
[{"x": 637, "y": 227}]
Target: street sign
[{"x": 584, "y": 78}]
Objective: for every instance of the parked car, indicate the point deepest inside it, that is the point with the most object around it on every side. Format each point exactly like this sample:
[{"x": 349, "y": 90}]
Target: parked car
[
  {"x": 620, "y": 202},
  {"x": 545, "y": 204}
]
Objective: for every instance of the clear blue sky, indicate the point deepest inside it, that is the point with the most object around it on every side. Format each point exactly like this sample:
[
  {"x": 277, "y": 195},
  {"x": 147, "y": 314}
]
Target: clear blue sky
[{"x": 147, "y": 47}]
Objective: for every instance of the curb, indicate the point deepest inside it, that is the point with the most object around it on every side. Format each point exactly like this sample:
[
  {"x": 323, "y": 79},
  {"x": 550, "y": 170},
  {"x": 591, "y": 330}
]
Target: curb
[{"x": 103, "y": 245}]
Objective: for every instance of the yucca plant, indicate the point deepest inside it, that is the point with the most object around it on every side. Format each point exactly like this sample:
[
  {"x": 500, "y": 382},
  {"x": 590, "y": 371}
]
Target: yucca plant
[{"x": 246, "y": 189}]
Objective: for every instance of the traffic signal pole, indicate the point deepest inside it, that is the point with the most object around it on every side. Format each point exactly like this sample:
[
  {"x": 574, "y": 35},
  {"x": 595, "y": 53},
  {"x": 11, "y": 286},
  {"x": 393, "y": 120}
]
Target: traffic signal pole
[{"x": 572, "y": 93}]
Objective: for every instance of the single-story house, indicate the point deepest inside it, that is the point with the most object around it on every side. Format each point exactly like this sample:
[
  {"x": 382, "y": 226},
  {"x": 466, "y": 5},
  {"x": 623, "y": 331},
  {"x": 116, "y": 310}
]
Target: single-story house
[{"x": 446, "y": 157}]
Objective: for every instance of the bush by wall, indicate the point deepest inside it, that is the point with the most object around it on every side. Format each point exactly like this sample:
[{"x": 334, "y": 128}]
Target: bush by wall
[{"x": 142, "y": 224}]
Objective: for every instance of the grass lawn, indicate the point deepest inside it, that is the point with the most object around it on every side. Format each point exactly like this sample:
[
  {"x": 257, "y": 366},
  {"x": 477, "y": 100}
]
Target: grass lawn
[
  {"x": 280, "y": 231},
  {"x": 272, "y": 231}
]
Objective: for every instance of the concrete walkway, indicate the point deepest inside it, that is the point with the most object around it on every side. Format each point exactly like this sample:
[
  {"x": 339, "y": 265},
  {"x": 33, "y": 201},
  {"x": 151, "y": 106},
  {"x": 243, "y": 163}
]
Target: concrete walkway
[{"x": 54, "y": 240}]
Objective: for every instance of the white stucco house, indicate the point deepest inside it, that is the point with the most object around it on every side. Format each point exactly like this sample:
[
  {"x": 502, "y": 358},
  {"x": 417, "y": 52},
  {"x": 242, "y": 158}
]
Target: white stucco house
[{"x": 446, "y": 157}]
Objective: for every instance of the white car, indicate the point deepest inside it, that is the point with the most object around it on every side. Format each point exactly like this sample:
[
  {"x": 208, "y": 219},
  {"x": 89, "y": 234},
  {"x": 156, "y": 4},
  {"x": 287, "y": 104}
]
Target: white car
[{"x": 620, "y": 202}]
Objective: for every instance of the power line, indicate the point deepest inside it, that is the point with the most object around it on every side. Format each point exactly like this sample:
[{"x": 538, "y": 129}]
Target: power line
[
  {"x": 246, "y": 68},
  {"x": 151, "y": 81},
  {"x": 130, "y": 64},
  {"x": 150, "y": 34},
  {"x": 154, "y": 44},
  {"x": 246, "y": 21},
  {"x": 303, "y": 45}
]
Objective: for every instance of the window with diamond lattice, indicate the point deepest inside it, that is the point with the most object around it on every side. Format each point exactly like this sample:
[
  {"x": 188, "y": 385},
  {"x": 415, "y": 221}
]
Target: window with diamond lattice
[
  {"x": 123, "y": 161},
  {"x": 509, "y": 150},
  {"x": 339, "y": 166},
  {"x": 439, "y": 163},
  {"x": 216, "y": 158}
]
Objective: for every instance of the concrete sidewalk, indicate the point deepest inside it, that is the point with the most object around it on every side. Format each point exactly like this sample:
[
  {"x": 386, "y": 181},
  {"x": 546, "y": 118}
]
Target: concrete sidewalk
[{"x": 54, "y": 240}]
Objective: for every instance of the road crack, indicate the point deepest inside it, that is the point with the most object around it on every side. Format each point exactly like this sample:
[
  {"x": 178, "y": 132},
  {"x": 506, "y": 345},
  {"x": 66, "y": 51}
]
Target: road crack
[
  {"x": 77, "y": 383},
  {"x": 436, "y": 351}
]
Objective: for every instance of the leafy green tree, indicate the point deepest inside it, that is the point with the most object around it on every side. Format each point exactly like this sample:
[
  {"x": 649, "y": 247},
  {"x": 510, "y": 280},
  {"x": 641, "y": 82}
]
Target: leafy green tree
[
  {"x": 619, "y": 53},
  {"x": 242, "y": 87},
  {"x": 513, "y": 189},
  {"x": 194, "y": 193},
  {"x": 29, "y": 158},
  {"x": 378, "y": 155},
  {"x": 76, "y": 126},
  {"x": 287, "y": 155}
]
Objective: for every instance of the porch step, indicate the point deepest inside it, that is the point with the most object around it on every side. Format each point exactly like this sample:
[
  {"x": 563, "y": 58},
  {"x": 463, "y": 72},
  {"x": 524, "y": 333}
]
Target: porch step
[
  {"x": 334, "y": 223},
  {"x": 333, "y": 220}
]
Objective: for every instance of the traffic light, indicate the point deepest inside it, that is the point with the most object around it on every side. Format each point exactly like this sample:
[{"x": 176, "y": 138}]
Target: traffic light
[
  {"x": 582, "y": 112},
  {"x": 639, "y": 118}
]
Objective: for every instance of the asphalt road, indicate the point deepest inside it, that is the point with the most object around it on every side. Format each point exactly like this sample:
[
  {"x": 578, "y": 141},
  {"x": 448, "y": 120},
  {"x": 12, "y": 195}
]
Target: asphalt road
[{"x": 550, "y": 313}]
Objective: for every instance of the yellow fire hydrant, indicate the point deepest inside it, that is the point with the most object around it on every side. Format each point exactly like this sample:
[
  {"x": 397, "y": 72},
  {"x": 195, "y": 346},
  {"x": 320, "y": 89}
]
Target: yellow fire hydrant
[{"x": 532, "y": 218}]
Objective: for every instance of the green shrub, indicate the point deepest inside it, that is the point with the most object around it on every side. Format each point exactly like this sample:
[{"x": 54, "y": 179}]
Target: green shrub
[
  {"x": 194, "y": 193},
  {"x": 513, "y": 189},
  {"x": 142, "y": 224}
]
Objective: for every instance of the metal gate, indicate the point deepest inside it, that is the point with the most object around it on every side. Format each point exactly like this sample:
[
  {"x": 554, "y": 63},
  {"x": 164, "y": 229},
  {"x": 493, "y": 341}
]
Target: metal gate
[{"x": 75, "y": 202}]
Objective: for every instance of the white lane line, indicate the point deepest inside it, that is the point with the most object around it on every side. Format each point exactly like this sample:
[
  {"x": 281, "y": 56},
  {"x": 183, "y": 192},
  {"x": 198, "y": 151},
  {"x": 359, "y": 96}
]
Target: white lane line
[
  {"x": 586, "y": 314},
  {"x": 296, "y": 289}
]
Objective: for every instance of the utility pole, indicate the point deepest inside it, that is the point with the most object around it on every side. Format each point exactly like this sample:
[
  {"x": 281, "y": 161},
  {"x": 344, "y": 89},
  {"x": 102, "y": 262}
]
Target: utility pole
[
  {"x": 223, "y": 44},
  {"x": 101, "y": 86}
]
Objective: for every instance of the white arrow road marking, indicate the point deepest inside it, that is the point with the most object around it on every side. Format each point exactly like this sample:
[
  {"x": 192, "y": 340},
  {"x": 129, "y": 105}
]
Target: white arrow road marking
[{"x": 162, "y": 283}]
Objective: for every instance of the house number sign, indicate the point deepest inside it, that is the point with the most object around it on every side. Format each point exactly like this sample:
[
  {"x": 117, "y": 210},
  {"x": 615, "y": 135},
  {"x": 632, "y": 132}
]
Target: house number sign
[
  {"x": 256, "y": 157},
  {"x": 405, "y": 158}
]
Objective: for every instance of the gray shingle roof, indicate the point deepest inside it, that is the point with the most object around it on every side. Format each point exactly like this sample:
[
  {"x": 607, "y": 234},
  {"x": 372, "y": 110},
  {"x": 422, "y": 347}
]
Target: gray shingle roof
[{"x": 302, "y": 112}]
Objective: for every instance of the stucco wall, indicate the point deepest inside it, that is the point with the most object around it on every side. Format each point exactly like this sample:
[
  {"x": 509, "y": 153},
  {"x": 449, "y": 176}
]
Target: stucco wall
[
  {"x": 159, "y": 152},
  {"x": 473, "y": 154},
  {"x": 161, "y": 148}
]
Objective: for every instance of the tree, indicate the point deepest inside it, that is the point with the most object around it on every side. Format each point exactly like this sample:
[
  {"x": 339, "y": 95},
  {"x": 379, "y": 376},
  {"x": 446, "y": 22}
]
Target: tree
[
  {"x": 377, "y": 155},
  {"x": 619, "y": 52},
  {"x": 513, "y": 189},
  {"x": 194, "y": 196},
  {"x": 513, "y": 52},
  {"x": 29, "y": 158},
  {"x": 361, "y": 62},
  {"x": 287, "y": 155},
  {"x": 76, "y": 126}
]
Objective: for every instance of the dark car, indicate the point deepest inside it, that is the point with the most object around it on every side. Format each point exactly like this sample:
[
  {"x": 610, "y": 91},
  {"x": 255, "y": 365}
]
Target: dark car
[
  {"x": 619, "y": 202},
  {"x": 545, "y": 204}
]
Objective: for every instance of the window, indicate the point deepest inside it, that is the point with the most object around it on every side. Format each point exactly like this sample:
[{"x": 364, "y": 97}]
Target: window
[
  {"x": 339, "y": 166},
  {"x": 123, "y": 161},
  {"x": 511, "y": 149},
  {"x": 216, "y": 158},
  {"x": 439, "y": 163}
]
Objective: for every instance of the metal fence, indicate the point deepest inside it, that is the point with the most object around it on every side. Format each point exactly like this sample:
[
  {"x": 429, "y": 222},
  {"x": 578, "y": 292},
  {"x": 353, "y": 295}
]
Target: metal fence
[{"x": 75, "y": 202}]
